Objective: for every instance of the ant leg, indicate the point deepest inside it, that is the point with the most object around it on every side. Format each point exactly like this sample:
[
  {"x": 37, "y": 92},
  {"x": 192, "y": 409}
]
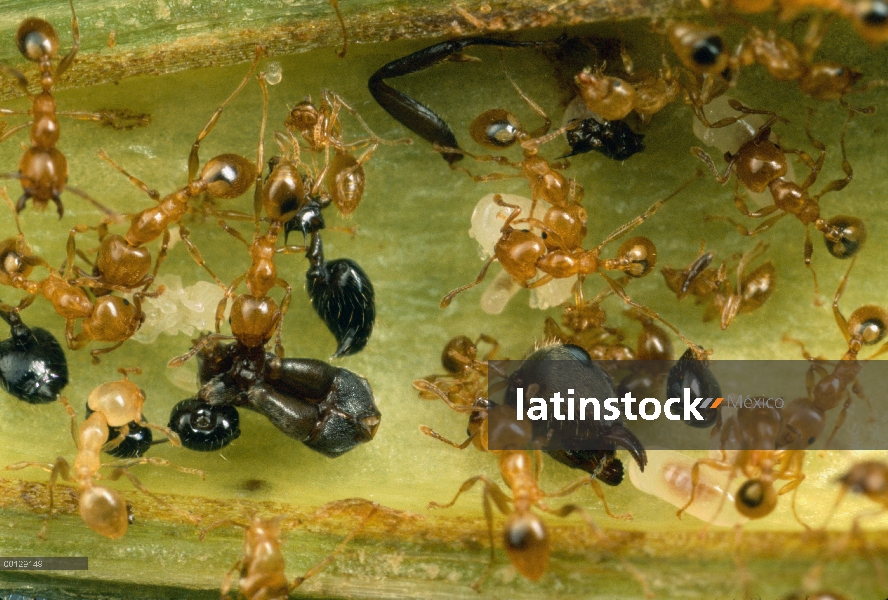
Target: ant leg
[
  {"x": 200, "y": 344},
  {"x": 75, "y": 33},
  {"x": 226, "y": 583},
  {"x": 59, "y": 469},
  {"x": 434, "y": 434},
  {"x": 75, "y": 430},
  {"x": 840, "y": 319},
  {"x": 428, "y": 387},
  {"x": 596, "y": 488},
  {"x": 193, "y": 158},
  {"x": 627, "y": 227},
  {"x": 119, "y": 119},
  {"x": 339, "y": 102},
  {"x": 329, "y": 559},
  {"x": 499, "y": 497},
  {"x": 233, "y": 232},
  {"x": 567, "y": 509},
  {"x": 695, "y": 480},
  {"x": 808, "y": 252},
  {"x": 651, "y": 314},
  {"x": 229, "y": 292},
  {"x": 72, "y": 247},
  {"x": 742, "y": 229},
  {"x": 161, "y": 256},
  {"x": 195, "y": 254},
  {"x": 702, "y": 155},
  {"x": 839, "y": 184},
  {"x": 121, "y": 471},
  {"x": 8, "y": 133},
  {"x": 547, "y": 122},
  {"x": 501, "y": 501},
  {"x": 285, "y": 304},
  {"x": 134, "y": 180},
  {"x": 341, "y": 53},
  {"x": 446, "y": 300},
  {"x": 99, "y": 351},
  {"x": 20, "y": 79}
]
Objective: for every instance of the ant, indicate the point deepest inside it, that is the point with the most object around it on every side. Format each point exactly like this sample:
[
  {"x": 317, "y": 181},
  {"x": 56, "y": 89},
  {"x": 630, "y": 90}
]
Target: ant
[
  {"x": 524, "y": 253},
  {"x": 760, "y": 164},
  {"x": 33, "y": 366},
  {"x": 467, "y": 375},
  {"x": 525, "y": 536},
  {"x": 707, "y": 284},
  {"x": 613, "y": 98},
  {"x": 321, "y": 129},
  {"x": 122, "y": 262},
  {"x": 107, "y": 319},
  {"x": 869, "y": 17},
  {"x": 113, "y": 404},
  {"x": 805, "y": 417},
  {"x": 747, "y": 435},
  {"x": 785, "y": 61},
  {"x": 261, "y": 570},
  {"x": 43, "y": 169}
]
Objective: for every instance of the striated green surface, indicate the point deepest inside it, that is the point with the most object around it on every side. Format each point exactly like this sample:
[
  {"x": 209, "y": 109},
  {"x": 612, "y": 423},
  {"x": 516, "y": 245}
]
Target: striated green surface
[{"x": 412, "y": 242}]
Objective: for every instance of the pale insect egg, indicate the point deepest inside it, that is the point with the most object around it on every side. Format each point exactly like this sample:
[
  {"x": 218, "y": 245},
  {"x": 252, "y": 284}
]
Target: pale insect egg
[
  {"x": 273, "y": 73},
  {"x": 668, "y": 477},
  {"x": 179, "y": 310},
  {"x": 488, "y": 219}
]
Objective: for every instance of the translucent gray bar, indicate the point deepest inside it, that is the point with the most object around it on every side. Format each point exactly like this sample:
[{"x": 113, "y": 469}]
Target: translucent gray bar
[{"x": 44, "y": 563}]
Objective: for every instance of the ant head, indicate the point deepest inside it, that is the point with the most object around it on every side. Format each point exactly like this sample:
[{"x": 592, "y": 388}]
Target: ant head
[
  {"x": 303, "y": 117},
  {"x": 870, "y": 17},
  {"x": 36, "y": 39},
  {"x": 756, "y": 499},
  {"x": 700, "y": 49},
  {"x": 803, "y": 423},
  {"x": 640, "y": 254},
  {"x": 457, "y": 348},
  {"x": 851, "y": 236},
  {"x": 496, "y": 128},
  {"x": 527, "y": 544},
  {"x": 104, "y": 511},
  {"x": 228, "y": 175},
  {"x": 868, "y": 324},
  {"x": 14, "y": 261}
]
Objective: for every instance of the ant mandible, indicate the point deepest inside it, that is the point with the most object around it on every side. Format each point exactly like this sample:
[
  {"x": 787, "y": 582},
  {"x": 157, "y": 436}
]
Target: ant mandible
[
  {"x": 114, "y": 404},
  {"x": 43, "y": 169}
]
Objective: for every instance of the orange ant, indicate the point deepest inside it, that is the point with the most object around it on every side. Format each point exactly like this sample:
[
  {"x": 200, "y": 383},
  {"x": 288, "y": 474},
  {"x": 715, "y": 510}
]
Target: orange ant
[
  {"x": 524, "y": 253},
  {"x": 707, "y": 284},
  {"x": 107, "y": 319},
  {"x": 747, "y": 434},
  {"x": 261, "y": 570},
  {"x": 805, "y": 417},
  {"x": 613, "y": 98},
  {"x": 321, "y": 129},
  {"x": 760, "y": 164},
  {"x": 113, "y": 404},
  {"x": 525, "y": 537},
  {"x": 43, "y": 169},
  {"x": 869, "y": 17},
  {"x": 785, "y": 61},
  {"x": 122, "y": 262},
  {"x": 466, "y": 377}
]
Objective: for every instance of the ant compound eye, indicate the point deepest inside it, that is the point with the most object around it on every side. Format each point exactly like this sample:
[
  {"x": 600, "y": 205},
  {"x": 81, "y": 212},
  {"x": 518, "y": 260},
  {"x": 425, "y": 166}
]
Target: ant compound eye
[
  {"x": 851, "y": 234},
  {"x": 496, "y": 128},
  {"x": 204, "y": 427},
  {"x": 36, "y": 38},
  {"x": 228, "y": 175},
  {"x": 707, "y": 51}
]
